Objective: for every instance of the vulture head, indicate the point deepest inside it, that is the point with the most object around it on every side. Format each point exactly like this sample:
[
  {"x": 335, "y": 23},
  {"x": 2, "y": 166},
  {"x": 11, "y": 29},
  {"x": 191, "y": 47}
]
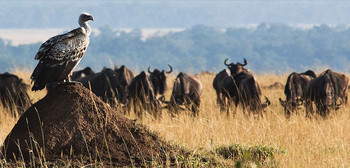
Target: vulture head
[{"x": 84, "y": 17}]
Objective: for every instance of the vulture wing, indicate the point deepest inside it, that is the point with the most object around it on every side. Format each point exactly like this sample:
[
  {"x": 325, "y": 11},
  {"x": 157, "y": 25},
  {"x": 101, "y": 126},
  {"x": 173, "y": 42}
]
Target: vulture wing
[{"x": 58, "y": 56}]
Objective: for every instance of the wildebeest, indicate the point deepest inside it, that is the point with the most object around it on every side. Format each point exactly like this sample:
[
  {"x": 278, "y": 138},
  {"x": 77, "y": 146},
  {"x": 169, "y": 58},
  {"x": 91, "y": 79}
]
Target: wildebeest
[
  {"x": 250, "y": 93},
  {"x": 124, "y": 78},
  {"x": 340, "y": 84},
  {"x": 321, "y": 91},
  {"x": 328, "y": 92},
  {"x": 13, "y": 92},
  {"x": 217, "y": 86},
  {"x": 242, "y": 88},
  {"x": 234, "y": 70},
  {"x": 186, "y": 91},
  {"x": 124, "y": 75},
  {"x": 295, "y": 90},
  {"x": 75, "y": 75},
  {"x": 104, "y": 85},
  {"x": 159, "y": 80},
  {"x": 142, "y": 96}
]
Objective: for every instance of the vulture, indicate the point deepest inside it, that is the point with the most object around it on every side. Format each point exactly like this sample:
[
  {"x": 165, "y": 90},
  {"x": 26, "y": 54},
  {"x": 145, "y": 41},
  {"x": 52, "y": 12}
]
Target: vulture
[{"x": 60, "y": 54}]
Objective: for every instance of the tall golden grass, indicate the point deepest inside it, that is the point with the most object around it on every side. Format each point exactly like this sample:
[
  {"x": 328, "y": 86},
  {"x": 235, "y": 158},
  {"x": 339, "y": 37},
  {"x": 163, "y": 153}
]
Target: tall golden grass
[{"x": 306, "y": 142}]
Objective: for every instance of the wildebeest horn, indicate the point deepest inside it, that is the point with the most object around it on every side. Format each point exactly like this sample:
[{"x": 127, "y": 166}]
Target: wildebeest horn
[
  {"x": 149, "y": 69},
  {"x": 226, "y": 62},
  {"x": 280, "y": 100},
  {"x": 267, "y": 101},
  {"x": 283, "y": 103},
  {"x": 171, "y": 69},
  {"x": 245, "y": 63}
]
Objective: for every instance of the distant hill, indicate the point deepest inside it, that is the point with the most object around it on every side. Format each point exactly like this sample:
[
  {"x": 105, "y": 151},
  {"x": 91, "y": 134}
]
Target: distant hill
[{"x": 272, "y": 48}]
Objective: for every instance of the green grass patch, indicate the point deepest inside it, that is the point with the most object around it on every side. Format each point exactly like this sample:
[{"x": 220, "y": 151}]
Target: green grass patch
[{"x": 258, "y": 155}]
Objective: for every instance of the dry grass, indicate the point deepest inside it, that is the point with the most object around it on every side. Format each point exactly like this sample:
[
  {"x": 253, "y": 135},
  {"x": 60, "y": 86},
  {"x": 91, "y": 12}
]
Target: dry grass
[{"x": 306, "y": 142}]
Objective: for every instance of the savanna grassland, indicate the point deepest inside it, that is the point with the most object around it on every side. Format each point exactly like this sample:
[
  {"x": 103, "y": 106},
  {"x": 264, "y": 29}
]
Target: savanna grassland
[{"x": 304, "y": 142}]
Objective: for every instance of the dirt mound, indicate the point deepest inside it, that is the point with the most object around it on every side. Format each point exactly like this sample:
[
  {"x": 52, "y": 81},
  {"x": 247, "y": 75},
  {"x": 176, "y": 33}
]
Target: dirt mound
[{"x": 76, "y": 124}]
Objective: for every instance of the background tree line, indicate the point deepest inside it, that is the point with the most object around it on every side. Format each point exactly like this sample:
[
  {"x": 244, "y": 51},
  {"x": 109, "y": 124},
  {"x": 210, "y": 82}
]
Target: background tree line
[{"x": 272, "y": 48}]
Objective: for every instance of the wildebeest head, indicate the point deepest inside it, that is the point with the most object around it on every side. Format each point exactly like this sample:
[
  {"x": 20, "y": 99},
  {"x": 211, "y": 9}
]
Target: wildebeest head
[
  {"x": 159, "y": 80},
  {"x": 290, "y": 105},
  {"x": 293, "y": 91},
  {"x": 236, "y": 68}
]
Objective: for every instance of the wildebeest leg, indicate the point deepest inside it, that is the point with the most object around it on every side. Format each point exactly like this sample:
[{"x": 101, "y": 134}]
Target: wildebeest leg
[
  {"x": 259, "y": 108},
  {"x": 244, "y": 110},
  {"x": 223, "y": 105},
  {"x": 159, "y": 111},
  {"x": 218, "y": 97},
  {"x": 194, "y": 110},
  {"x": 345, "y": 99},
  {"x": 195, "y": 107},
  {"x": 287, "y": 111},
  {"x": 321, "y": 108},
  {"x": 221, "y": 96},
  {"x": 308, "y": 108},
  {"x": 228, "y": 105},
  {"x": 227, "y": 109},
  {"x": 221, "y": 102}
]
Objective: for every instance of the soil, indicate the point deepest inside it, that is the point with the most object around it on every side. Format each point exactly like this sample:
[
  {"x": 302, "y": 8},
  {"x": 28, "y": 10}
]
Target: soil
[{"x": 71, "y": 123}]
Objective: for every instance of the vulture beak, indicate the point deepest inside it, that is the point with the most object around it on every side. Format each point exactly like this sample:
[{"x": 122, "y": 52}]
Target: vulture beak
[{"x": 91, "y": 18}]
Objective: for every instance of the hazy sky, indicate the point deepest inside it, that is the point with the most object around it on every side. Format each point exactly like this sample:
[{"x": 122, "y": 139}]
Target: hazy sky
[{"x": 170, "y": 14}]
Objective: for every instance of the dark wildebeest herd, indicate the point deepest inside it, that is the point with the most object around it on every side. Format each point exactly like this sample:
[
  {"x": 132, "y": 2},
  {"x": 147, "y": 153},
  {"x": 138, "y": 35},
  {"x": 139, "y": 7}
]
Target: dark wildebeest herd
[
  {"x": 327, "y": 92},
  {"x": 234, "y": 86},
  {"x": 13, "y": 93}
]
